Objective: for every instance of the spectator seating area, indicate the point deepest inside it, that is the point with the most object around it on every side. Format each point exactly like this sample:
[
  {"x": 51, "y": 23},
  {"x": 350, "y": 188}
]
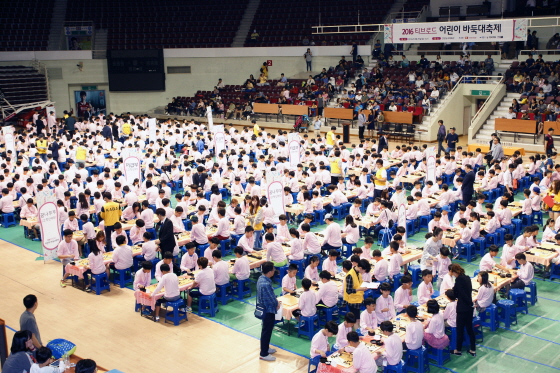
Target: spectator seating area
[
  {"x": 25, "y": 25},
  {"x": 22, "y": 84},
  {"x": 536, "y": 81},
  {"x": 289, "y": 22},
  {"x": 162, "y": 24}
]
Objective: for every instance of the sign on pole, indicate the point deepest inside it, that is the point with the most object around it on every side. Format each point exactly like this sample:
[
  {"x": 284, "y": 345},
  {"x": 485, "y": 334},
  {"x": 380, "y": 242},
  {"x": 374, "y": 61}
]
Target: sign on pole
[
  {"x": 132, "y": 169},
  {"x": 431, "y": 165},
  {"x": 50, "y": 230},
  {"x": 9, "y": 138},
  {"x": 402, "y": 219},
  {"x": 294, "y": 153},
  {"x": 209, "y": 116},
  {"x": 497, "y": 30},
  {"x": 276, "y": 198},
  {"x": 152, "y": 129},
  {"x": 219, "y": 139}
]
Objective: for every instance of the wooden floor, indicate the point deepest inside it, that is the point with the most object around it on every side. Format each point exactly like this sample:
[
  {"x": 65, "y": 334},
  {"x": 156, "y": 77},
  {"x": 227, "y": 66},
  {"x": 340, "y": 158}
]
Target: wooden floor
[{"x": 106, "y": 328}]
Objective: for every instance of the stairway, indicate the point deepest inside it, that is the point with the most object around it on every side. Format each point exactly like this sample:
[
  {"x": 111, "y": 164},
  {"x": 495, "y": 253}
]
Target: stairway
[
  {"x": 56, "y": 37},
  {"x": 397, "y": 7},
  {"x": 487, "y": 129},
  {"x": 100, "y": 44},
  {"x": 245, "y": 25}
]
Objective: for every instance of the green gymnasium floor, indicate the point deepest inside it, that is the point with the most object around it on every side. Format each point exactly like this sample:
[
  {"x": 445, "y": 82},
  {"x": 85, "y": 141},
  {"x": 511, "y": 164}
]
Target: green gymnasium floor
[{"x": 531, "y": 345}]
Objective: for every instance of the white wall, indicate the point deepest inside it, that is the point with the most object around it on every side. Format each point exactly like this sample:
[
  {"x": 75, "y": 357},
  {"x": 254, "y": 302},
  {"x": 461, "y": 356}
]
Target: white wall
[{"x": 495, "y": 7}]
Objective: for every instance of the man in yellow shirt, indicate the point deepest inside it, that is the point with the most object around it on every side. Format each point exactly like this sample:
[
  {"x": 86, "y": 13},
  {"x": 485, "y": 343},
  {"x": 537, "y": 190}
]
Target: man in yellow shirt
[
  {"x": 331, "y": 138},
  {"x": 111, "y": 214},
  {"x": 42, "y": 147},
  {"x": 256, "y": 128},
  {"x": 81, "y": 154}
]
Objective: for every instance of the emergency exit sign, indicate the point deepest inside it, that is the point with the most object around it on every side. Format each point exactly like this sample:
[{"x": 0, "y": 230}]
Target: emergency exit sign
[
  {"x": 93, "y": 88},
  {"x": 480, "y": 93}
]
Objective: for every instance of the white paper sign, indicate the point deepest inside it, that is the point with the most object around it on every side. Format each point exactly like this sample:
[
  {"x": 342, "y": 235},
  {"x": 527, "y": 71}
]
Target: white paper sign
[
  {"x": 496, "y": 30},
  {"x": 219, "y": 139},
  {"x": 9, "y": 138},
  {"x": 50, "y": 230},
  {"x": 152, "y": 129},
  {"x": 431, "y": 169},
  {"x": 209, "y": 116},
  {"x": 402, "y": 219},
  {"x": 132, "y": 169},
  {"x": 275, "y": 194},
  {"x": 294, "y": 152}
]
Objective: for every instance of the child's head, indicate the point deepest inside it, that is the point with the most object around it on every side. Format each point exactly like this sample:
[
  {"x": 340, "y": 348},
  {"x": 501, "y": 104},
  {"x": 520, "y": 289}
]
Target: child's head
[
  {"x": 146, "y": 266},
  {"x": 450, "y": 294},
  {"x": 333, "y": 254},
  {"x": 394, "y": 247},
  {"x": 314, "y": 261},
  {"x": 412, "y": 311},
  {"x": 386, "y": 327},
  {"x": 349, "y": 319},
  {"x": 292, "y": 270},
  {"x": 427, "y": 276},
  {"x": 331, "y": 328},
  {"x": 493, "y": 250},
  {"x": 44, "y": 356},
  {"x": 432, "y": 306},
  {"x": 68, "y": 235},
  {"x": 376, "y": 254},
  {"x": 521, "y": 259},
  {"x": 385, "y": 289},
  {"x": 370, "y": 304},
  {"x": 305, "y": 283}
]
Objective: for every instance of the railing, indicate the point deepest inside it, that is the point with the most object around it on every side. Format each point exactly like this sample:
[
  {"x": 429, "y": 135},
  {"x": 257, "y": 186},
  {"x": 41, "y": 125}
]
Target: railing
[
  {"x": 42, "y": 69},
  {"x": 499, "y": 80},
  {"x": 539, "y": 51},
  {"x": 487, "y": 108},
  {"x": 444, "y": 52}
]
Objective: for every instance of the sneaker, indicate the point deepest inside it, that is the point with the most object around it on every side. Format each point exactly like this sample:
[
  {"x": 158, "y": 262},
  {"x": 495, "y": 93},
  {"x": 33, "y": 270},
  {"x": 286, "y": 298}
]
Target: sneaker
[
  {"x": 62, "y": 284},
  {"x": 88, "y": 289},
  {"x": 456, "y": 256},
  {"x": 267, "y": 358},
  {"x": 182, "y": 309},
  {"x": 188, "y": 309},
  {"x": 156, "y": 319},
  {"x": 271, "y": 351}
]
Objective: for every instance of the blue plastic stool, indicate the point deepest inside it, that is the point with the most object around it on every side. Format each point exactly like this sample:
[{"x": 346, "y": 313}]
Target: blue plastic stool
[
  {"x": 439, "y": 356},
  {"x": 101, "y": 283},
  {"x": 510, "y": 228},
  {"x": 537, "y": 217},
  {"x": 397, "y": 281},
  {"x": 492, "y": 239},
  {"x": 384, "y": 237},
  {"x": 124, "y": 276},
  {"x": 201, "y": 248},
  {"x": 554, "y": 271},
  {"x": 506, "y": 312},
  {"x": 532, "y": 293},
  {"x": 225, "y": 292},
  {"x": 417, "y": 360},
  {"x": 337, "y": 212},
  {"x": 526, "y": 220},
  {"x": 478, "y": 333},
  {"x": 398, "y": 368},
  {"x": 517, "y": 223},
  {"x": 301, "y": 267},
  {"x": 176, "y": 315},
  {"x": 411, "y": 226},
  {"x": 320, "y": 216},
  {"x": 281, "y": 273},
  {"x": 466, "y": 251},
  {"x": 208, "y": 304},
  {"x": 501, "y": 232},
  {"x": 235, "y": 239},
  {"x": 424, "y": 222},
  {"x": 308, "y": 326},
  {"x": 416, "y": 273},
  {"x": 347, "y": 249},
  {"x": 153, "y": 232},
  {"x": 480, "y": 245},
  {"x": 329, "y": 314},
  {"x": 489, "y": 317},
  {"x": 243, "y": 288},
  {"x": 225, "y": 247},
  {"x": 519, "y": 298},
  {"x": 8, "y": 219}
]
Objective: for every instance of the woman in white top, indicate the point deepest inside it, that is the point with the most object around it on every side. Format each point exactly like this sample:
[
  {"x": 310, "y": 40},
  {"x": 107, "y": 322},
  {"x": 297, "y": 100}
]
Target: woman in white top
[
  {"x": 434, "y": 334},
  {"x": 485, "y": 294},
  {"x": 351, "y": 232}
]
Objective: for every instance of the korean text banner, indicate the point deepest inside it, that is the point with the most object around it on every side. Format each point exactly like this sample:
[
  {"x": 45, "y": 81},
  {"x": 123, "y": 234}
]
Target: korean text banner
[{"x": 457, "y": 32}]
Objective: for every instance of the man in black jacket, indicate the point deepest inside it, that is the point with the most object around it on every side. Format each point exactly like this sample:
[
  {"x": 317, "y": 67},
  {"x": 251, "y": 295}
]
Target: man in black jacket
[
  {"x": 166, "y": 239},
  {"x": 468, "y": 184},
  {"x": 199, "y": 179}
]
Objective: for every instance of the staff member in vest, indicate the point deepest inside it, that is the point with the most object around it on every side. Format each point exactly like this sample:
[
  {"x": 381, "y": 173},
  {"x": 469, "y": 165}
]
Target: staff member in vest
[
  {"x": 336, "y": 168},
  {"x": 256, "y": 128},
  {"x": 111, "y": 214},
  {"x": 331, "y": 138},
  {"x": 380, "y": 179},
  {"x": 126, "y": 130},
  {"x": 354, "y": 294},
  {"x": 42, "y": 146},
  {"x": 81, "y": 154}
]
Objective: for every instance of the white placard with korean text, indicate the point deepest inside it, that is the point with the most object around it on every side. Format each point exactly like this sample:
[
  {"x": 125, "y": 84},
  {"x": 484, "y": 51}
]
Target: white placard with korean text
[
  {"x": 294, "y": 153},
  {"x": 219, "y": 139},
  {"x": 132, "y": 169},
  {"x": 275, "y": 195},
  {"x": 209, "y": 116},
  {"x": 152, "y": 126},
  {"x": 50, "y": 230},
  {"x": 496, "y": 30},
  {"x": 9, "y": 139}
]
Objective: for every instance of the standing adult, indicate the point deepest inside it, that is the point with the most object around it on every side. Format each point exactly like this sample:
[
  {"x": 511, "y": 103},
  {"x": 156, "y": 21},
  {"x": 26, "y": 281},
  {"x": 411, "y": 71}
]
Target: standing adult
[
  {"x": 431, "y": 249},
  {"x": 199, "y": 179},
  {"x": 107, "y": 132},
  {"x": 267, "y": 300},
  {"x": 452, "y": 138},
  {"x": 383, "y": 143},
  {"x": 54, "y": 147},
  {"x": 468, "y": 184},
  {"x": 111, "y": 214},
  {"x": 330, "y": 138},
  {"x": 549, "y": 142},
  {"x": 380, "y": 179},
  {"x": 336, "y": 167},
  {"x": 362, "y": 119},
  {"x": 166, "y": 239},
  {"x": 27, "y": 319},
  {"x": 354, "y": 51},
  {"x": 308, "y": 56},
  {"x": 42, "y": 146},
  {"x": 71, "y": 124},
  {"x": 440, "y": 137},
  {"x": 497, "y": 152},
  {"x": 463, "y": 292}
]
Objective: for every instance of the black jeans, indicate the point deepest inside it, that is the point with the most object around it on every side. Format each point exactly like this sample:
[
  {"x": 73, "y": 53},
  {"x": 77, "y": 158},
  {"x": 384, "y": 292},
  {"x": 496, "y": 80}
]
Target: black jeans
[
  {"x": 361, "y": 131},
  {"x": 308, "y": 66},
  {"x": 266, "y": 332},
  {"x": 465, "y": 320},
  {"x": 440, "y": 147},
  {"x": 108, "y": 231}
]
